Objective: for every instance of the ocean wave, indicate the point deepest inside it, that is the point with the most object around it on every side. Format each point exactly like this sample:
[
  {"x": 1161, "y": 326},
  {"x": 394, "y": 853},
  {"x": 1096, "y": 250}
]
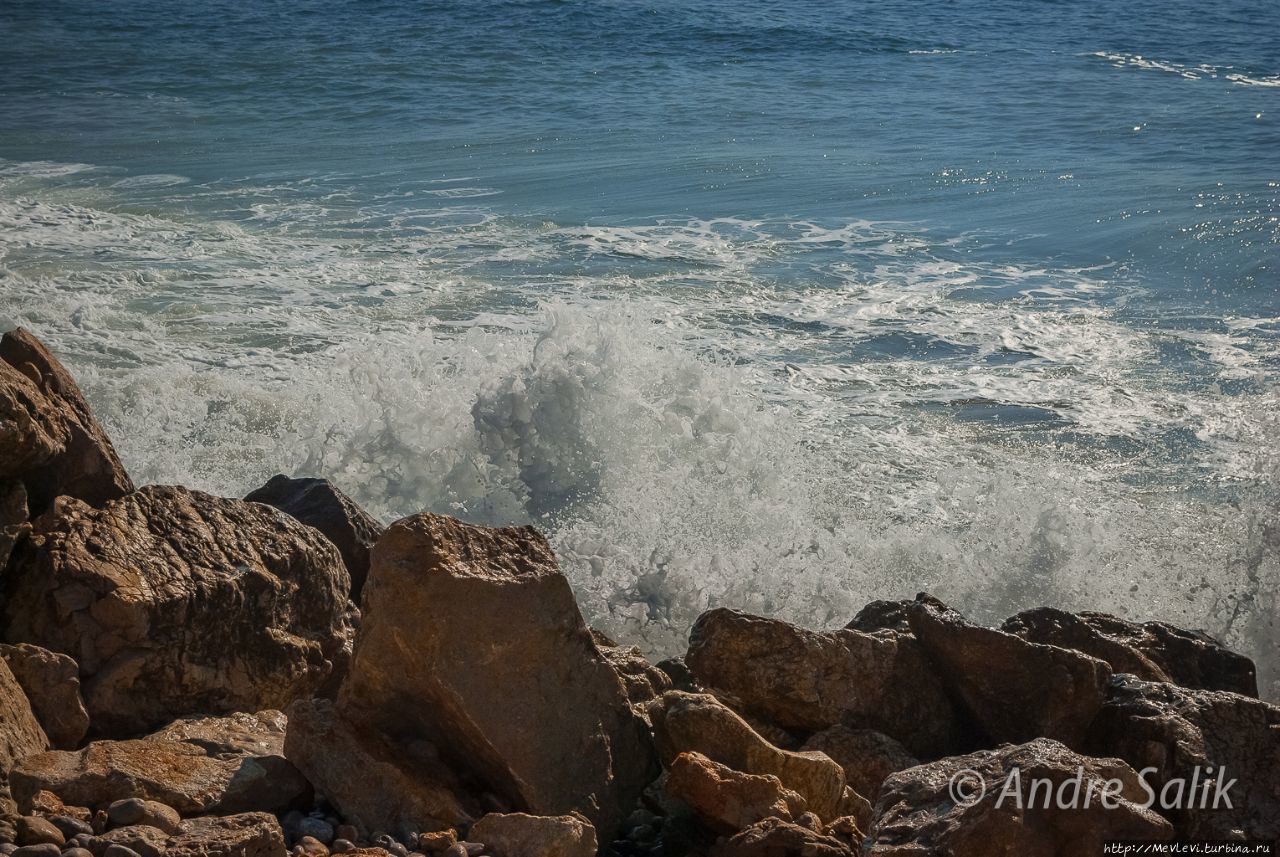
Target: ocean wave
[{"x": 785, "y": 416}]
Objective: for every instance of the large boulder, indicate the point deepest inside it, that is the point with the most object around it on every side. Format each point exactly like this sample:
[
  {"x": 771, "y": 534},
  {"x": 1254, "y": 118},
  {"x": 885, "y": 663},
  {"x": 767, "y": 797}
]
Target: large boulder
[
  {"x": 218, "y": 769},
  {"x": 49, "y": 438},
  {"x": 52, "y": 684},
  {"x": 866, "y": 756},
  {"x": 519, "y": 834},
  {"x": 728, "y": 800},
  {"x": 699, "y": 723},
  {"x": 375, "y": 783},
  {"x": 317, "y": 503},
  {"x": 1152, "y": 651},
  {"x": 1038, "y": 799},
  {"x": 807, "y": 681},
  {"x": 175, "y": 602},
  {"x": 1013, "y": 690},
  {"x": 1211, "y": 759},
  {"x": 471, "y": 639}
]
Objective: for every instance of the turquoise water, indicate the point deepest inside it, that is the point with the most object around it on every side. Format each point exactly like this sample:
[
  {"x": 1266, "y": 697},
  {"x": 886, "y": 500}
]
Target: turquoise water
[{"x": 780, "y": 305}]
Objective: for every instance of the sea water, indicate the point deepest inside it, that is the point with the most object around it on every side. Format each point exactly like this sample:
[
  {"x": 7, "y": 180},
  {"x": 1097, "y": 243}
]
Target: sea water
[{"x": 778, "y": 305}]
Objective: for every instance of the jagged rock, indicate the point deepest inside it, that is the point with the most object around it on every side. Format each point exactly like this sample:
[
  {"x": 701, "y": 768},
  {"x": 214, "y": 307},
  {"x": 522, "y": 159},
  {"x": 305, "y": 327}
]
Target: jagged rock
[
  {"x": 882, "y": 616},
  {"x": 191, "y": 776},
  {"x": 13, "y": 517},
  {"x": 986, "y": 804},
  {"x": 139, "y": 839},
  {"x": 509, "y": 651},
  {"x": 1205, "y": 740},
  {"x": 729, "y": 800},
  {"x": 1152, "y": 651},
  {"x": 643, "y": 681},
  {"x": 319, "y": 504},
  {"x": 175, "y": 602},
  {"x": 49, "y": 438},
  {"x": 250, "y": 834},
  {"x": 1014, "y": 690},
  {"x": 690, "y": 722},
  {"x": 866, "y": 756},
  {"x": 774, "y": 837},
  {"x": 518, "y": 834},
  {"x": 807, "y": 681},
  {"x": 374, "y": 784},
  {"x": 52, "y": 684}
]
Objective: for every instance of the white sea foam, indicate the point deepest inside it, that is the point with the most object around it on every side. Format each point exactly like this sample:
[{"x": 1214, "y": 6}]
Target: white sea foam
[{"x": 690, "y": 428}]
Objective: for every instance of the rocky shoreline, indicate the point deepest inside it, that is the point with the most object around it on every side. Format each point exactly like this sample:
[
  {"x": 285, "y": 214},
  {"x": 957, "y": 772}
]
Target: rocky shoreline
[{"x": 188, "y": 675}]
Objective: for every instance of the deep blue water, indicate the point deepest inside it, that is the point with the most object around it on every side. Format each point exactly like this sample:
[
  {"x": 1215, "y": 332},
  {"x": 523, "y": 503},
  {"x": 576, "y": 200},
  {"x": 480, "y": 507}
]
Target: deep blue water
[{"x": 987, "y": 292}]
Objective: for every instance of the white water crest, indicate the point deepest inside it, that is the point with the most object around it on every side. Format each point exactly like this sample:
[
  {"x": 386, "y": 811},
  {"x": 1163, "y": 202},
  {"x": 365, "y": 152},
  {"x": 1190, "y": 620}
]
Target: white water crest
[{"x": 688, "y": 430}]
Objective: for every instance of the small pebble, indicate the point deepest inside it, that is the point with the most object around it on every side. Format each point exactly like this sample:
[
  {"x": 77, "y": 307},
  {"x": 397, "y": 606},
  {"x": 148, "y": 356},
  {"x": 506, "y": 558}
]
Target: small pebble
[
  {"x": 346, "y": 831},
  {"x": 436, "y": 841},
  {"x": 70, "y": 826},
  {"x": 34, "y": 830},
  {"x": 120, "y": 851},
  {"x": 316, "y": 828},
  {"x": 77, "y": 852},
  {"x": 309, "y": 846},
  {"x": 474, "y": 849},
  {"x": 457, "y": 849},
  {"x": 342, "y": 846},
  {"x": 83, "y": 840}
]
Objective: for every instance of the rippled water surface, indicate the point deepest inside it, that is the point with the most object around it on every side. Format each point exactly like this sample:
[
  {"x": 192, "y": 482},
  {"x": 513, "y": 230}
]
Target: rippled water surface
[{"x": 779, "y": 305}]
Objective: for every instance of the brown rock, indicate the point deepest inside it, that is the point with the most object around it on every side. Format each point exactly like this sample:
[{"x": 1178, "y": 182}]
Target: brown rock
[
  {"x": 435, "y": 841},
  {"x": 729, "y": 800},
  {"x": 190, "y": 776},
  {"x": 309, "y": 846},
  {"x": 507, "y": 659},
  {"x": 1014, "y": 690},
  {"x": 13, "y": 517},
  {"x": 250, "y": 834},
  {"x": 139, "y": 838},
  {"x": 807, "y": 681},
  {"x": 518, "y": 834},
  {"x": 52, "y": 684},
  {"x": 49, "y": 438},
  {"x": 175, "y": 602},
  {"x": 1152, "y": 651},
  {"x": 866, "y": 756},
  {"x": 231, "y": 736},
  {"x": 644, "y": 682},
  {"x": 693, "y": 722},
  {"x": 774, "y": 837},
  {"x": 1202, "y": 740},
  {"x": 130, "y": 811},
  {"x": 317, "y": 503},
  {"x": 374, "y": 783},
  {"x": 34, "y": 830},
  {"x": 20, "y": 735},
  {"x": 919, "y": 812}
]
